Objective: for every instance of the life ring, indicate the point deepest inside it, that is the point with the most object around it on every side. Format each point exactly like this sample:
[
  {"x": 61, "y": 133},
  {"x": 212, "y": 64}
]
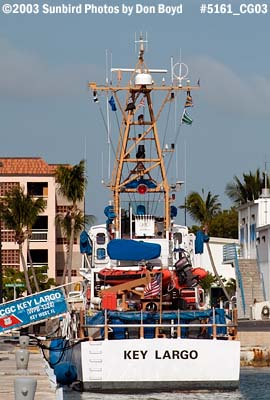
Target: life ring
[{"x": 265, "y": 312}]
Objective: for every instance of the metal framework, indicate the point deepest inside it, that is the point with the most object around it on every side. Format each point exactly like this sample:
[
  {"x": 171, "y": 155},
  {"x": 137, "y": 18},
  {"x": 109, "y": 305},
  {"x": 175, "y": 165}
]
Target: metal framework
[{"x": 126, "y": 143}]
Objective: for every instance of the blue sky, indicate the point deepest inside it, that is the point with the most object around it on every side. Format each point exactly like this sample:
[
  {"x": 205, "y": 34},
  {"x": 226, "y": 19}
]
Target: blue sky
[{"x": 47, "y": 111}]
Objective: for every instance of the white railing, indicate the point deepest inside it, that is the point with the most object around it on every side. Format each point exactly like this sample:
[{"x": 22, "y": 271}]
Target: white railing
[{"x": 39, "y": 235}]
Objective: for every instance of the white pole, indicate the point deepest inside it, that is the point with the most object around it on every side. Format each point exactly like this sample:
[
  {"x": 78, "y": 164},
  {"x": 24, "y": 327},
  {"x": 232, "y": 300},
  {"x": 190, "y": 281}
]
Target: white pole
[
  {"x": 130, "y": 222},
  {"x": 108, "y": 121}
]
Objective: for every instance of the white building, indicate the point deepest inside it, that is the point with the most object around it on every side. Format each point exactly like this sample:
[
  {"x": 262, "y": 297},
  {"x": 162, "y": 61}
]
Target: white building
[
  {"x": 254, "y": 235},
  {"x": 226, "y": 270}
]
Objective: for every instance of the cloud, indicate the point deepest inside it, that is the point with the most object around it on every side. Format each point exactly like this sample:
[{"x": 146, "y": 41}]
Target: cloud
[
  {"x": 25, "y": 75},
  {"x": 224, "y": 88}
]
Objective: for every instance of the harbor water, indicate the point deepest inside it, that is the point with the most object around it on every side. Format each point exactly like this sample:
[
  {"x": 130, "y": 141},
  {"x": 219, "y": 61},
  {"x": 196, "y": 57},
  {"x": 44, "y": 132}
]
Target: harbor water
[{"x": 254, "y": 385}]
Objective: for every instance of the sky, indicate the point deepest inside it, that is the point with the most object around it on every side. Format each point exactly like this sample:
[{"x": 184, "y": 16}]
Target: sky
[{"x": 47, "y": 110}]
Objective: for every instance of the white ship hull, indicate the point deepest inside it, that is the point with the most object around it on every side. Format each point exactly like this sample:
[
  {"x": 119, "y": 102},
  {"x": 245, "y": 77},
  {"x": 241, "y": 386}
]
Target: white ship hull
[{"x": 160, "y": 364}]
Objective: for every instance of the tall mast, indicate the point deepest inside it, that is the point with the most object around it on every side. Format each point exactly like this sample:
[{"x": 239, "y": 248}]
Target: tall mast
[{"x": 140, "y": 165}]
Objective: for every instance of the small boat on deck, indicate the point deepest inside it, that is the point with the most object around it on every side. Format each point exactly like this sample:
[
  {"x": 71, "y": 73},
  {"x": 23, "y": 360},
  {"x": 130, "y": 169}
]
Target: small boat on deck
[{"x": 116, "y": 276}]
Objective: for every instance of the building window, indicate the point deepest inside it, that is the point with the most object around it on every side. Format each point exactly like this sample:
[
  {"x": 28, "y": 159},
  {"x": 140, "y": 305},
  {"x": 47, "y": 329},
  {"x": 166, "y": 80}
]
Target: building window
[
  {"x": 40, "y": 229},
  {"x": 62, "y": 240},
  {"x": 253, "y": 232},
  {"x": 37, "y": 189},
  {"x": 39, "y": 257},
  {"x": 7, "y": 186},
  {"x": 62, "y": 209},
  {"x": 41, "y": 223},
  {"x": 242, "y": 235}
]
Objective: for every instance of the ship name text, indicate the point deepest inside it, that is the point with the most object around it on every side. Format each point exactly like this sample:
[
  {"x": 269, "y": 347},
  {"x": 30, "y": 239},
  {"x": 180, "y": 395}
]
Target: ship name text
[{"x": 161, "y": 355}]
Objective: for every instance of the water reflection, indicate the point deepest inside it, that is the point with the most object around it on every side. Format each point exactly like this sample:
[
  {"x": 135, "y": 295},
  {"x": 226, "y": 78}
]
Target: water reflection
[{"x": 254, "y": 385}]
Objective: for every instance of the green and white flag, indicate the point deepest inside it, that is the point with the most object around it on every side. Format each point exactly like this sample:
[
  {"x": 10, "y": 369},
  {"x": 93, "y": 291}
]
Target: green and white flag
[{"x": 186, "y": 119}]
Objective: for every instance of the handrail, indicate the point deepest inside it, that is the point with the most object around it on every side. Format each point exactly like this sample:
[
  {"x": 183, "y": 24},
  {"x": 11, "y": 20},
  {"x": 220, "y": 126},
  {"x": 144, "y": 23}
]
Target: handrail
[
  {"x": 261, "y": 274},
  {"x": 239, "y": 278},
  {"x": 156, "y": 325},
  {"x": 177, "y": 326},
  {"x": 172, "y": 325},
  {"x": 230, "y": 254}
]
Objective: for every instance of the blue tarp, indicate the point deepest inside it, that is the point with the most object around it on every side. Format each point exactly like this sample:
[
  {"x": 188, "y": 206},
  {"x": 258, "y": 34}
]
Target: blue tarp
[
  {"x": 85, "y": 245},
  {"x": 137, "y": 316},
  {"x": 135, "y": 183},
  {"x": 201, "y": 238},
  {"x": 173, "y": 212},
  {"x": 131, "y": 250}
]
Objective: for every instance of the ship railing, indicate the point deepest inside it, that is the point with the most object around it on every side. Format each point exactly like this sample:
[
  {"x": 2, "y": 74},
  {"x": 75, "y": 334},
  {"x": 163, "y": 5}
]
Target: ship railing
[
  {"x": 230, "y": 328},
  {"x": 158, "y": 326}
]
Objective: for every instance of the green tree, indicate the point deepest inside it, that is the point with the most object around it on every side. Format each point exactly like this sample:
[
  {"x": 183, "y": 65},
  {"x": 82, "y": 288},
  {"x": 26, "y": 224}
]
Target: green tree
[
  {"x": 10, "y": 276},
  {"x": 208, "y": 281},
  {"x": 247, "y": 189},
  {"x": 204, "y": 211},
  {"x": 65, "y": 222},
  {"x": 200, "y": 210},
  {"x": 72, "y": 183},
  {"x": 225, "y": 224},
  {"x": 44, "y": 281},
  {"x": 19, "y": 211},
  {"x": 231, "y": 286}
]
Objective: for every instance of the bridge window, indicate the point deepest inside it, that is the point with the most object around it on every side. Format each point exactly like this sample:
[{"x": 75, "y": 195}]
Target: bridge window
[
  {"x": 101, "y": 254},
  {"x": 100, "y": 238}
]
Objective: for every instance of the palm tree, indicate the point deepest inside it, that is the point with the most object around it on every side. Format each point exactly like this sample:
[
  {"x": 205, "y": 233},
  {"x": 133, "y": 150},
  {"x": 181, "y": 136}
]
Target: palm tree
[
  {"x": 72, "y": 183},
  {"x": 64, "y": 221},
  {"x": 19, "y": 212},
  {"x": 248, "y": 189},
  {"x": 201, "y": 210}
]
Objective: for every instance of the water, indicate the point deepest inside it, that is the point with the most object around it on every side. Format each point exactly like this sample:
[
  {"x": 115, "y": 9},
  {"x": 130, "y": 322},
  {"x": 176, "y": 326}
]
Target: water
[{"x": 254, "y": 385}]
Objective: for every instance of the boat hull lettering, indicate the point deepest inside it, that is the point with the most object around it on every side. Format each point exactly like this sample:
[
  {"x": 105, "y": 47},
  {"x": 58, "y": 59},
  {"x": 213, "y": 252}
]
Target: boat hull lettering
[
  {"x": 185, "y": 364},
  {"x": 176, "y": 354}
]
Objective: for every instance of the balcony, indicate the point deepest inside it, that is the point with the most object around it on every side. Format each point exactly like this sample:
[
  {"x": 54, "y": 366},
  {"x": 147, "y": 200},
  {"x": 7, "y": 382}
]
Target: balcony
[{"x": 40, "y": 235}]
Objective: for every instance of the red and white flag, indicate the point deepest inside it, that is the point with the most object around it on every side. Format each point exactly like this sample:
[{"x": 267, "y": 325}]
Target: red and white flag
[{"x": 153, "y": 288}]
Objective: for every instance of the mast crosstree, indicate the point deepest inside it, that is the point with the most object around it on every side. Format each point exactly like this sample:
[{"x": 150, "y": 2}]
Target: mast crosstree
[{"x": 131, "y": 151}]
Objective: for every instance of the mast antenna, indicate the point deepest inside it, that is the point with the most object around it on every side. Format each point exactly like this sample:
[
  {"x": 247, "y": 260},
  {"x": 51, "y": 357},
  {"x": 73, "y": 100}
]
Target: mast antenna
[
  {"x": 265, "y": 173},
  {"x": 141, "y": 43}
]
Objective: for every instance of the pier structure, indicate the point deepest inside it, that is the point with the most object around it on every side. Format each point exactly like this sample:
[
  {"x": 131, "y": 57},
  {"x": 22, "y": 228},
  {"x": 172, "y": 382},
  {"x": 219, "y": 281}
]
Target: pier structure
[{"x": 46, "y": 386}]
